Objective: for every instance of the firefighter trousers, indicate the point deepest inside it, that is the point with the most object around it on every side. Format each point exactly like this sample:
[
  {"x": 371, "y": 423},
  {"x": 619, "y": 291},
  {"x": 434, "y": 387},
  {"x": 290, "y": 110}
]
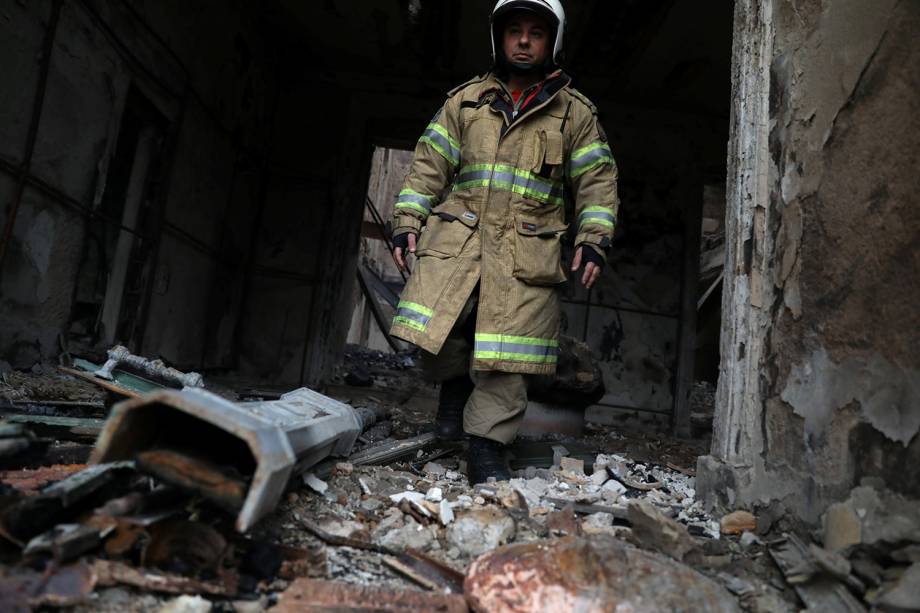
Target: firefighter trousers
[{"x": 496, "y": 406}]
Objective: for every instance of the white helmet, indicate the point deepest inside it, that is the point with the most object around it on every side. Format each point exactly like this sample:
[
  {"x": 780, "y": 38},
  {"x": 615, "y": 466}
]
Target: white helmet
[{"x": 551, "y": 9}]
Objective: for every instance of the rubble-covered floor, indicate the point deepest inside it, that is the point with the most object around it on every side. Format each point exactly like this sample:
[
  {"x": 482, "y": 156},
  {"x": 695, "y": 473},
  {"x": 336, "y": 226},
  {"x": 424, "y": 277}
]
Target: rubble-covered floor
[{"x": 361, "y": 524}]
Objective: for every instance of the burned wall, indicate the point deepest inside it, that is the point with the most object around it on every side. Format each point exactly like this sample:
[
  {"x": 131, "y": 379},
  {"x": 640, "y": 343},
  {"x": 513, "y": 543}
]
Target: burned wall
[
  {"x": 820, "y": 379},
  {"x": 208, "y": 72}
]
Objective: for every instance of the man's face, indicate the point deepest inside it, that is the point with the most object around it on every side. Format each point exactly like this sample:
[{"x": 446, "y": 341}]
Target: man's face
[{"x": 526, "y": 39}]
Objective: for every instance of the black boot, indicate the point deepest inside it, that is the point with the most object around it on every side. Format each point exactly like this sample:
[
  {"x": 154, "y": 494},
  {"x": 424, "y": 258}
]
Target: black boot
[
  {"x": 486, "y": 459},
  {"x": 448, "y": 425}
]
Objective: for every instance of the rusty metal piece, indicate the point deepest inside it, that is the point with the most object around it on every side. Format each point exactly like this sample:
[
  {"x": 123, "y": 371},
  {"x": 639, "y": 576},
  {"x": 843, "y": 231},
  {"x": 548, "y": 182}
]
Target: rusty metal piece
[
  {"x": 185, "y": 546},
  {"x": 313, "y": 596},
  {"x": 31, "y": 480},
  {"x": 268, "y": 442},
  {"x": 154, "y": 369},
  {"x": 601, "y": 574},
  {"x": 111, "y": 573},
  {"x": 220, "y": 485}
]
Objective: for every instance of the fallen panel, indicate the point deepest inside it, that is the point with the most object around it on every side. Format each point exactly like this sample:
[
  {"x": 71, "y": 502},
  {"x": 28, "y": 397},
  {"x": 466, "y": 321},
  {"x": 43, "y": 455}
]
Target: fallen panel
[
  {"x": 76, "y": 428},
  {"x": 310, "y": 595},
  {"x": 264, "y": 442},
  {"x": 816, "y": 589}
]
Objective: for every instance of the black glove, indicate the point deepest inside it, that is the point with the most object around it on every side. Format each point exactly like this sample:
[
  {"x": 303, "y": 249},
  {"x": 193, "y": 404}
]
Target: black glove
[
  {"x": 402, "y": 241},
  {"x": 589, "y": 254}
]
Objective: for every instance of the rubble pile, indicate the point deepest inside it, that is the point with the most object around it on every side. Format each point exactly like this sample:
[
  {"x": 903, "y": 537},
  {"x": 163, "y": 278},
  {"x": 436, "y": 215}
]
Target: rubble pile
[
  {"x": 606, "y": 521},
  {"x": 433, "y": 508}
]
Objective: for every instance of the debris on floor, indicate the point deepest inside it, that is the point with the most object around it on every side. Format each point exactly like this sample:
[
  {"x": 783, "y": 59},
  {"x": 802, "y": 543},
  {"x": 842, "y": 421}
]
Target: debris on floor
[{"x": 259, "y": 498}]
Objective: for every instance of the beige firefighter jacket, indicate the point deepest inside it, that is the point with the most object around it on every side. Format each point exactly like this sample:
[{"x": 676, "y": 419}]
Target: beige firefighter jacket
[{"x": 501, "y": 222}]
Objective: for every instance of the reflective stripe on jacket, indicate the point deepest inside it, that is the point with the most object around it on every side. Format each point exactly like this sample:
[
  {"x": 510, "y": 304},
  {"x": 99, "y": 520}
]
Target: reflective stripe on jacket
[{"x": 502, "y": 220}]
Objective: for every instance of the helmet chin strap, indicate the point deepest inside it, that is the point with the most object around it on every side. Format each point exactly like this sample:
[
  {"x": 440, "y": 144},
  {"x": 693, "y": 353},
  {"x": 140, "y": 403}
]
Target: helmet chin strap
[{"x": 523, "y": 69}]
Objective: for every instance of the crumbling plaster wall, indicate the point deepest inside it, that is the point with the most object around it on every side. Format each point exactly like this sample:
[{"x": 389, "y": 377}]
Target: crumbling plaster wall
[
  {"x": 210, "y": 72},
  {"x": 820, "y": 376}
]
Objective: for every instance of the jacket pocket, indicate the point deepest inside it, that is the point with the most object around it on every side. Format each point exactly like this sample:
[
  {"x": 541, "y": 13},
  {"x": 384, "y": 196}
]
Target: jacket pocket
[
  {"x": 548, "y": 155},
  {"x": 445, "y": 234},
  {"x": 537, "y": 251}
]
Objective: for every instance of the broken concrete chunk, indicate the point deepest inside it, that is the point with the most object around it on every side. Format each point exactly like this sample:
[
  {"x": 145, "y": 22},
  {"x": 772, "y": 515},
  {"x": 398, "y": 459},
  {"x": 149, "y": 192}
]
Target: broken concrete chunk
[
  {"x": 435, "y": 494},
  {"x": 436, "y": 470},
  {"x": 187, "y": 604},
  {"x": 411, "y": 535},
  {"x": 659, "y": 532},
  {"x": 738, "y": 522},
  {"x": 749, "y": 539},
  {"x": 572, "y": 465},
  {"x": 599, "y": 477},
  {"x": 612, "y": 491},
  {"x": 341, "y": 527},
  {"x": 315, "y": 483},
  {"x": 598, "y": 523},
  {"x": 445, "y": 513},
  {"x": 481, "y": 530},
  {"x": 599, "y": 573},
  {"x": 410, "y": 496}
]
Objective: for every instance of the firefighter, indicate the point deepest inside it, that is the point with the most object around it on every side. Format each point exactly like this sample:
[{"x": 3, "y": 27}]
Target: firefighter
[{"x": 482, "y": 302}]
